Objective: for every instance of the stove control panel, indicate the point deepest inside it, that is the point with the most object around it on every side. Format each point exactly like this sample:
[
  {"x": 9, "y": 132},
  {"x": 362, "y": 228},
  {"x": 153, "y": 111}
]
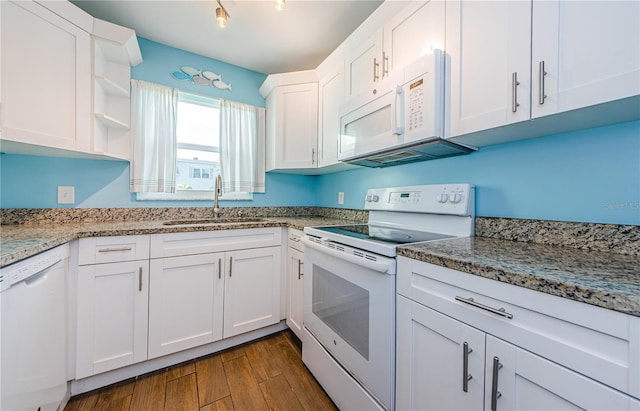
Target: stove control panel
[{"x": 455, "y": 199}]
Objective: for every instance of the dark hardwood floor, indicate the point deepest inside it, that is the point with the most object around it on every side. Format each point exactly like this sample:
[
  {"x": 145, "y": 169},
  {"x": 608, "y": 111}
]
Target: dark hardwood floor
[{"x": 267, "y": 374}]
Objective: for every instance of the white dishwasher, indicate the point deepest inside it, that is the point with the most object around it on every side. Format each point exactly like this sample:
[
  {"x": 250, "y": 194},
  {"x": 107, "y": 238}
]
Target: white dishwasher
[{"x": 33, "y": 359}]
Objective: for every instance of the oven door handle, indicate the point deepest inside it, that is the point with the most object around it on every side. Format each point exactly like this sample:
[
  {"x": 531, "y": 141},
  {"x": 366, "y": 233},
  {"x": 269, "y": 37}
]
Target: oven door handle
[{"x": 373, "y": 265}]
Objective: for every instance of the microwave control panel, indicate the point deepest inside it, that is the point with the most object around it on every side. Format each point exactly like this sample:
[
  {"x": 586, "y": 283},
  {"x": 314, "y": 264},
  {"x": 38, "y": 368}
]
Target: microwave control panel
[{"x": 416, "y": 106}]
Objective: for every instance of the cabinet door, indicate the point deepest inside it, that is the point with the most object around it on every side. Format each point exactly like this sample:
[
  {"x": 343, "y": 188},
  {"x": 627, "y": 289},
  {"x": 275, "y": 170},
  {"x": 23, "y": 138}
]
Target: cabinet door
[
  {"x": 49, "y": 78},
  {"x": 295, "y": 272},
  {"x": 252, "y": 290},
  {"x": 185, "y": 302},
  {"x": 294, "y": 133},
  {"x": 363, "y": 66},
  {"x": 590, "y": 51},
  {"x": 112, "y": 316},
  {"x": 519, "y": 380},
  {"x": 416, "y": 30},
  {"x": 488, "y": 48},
  {"x": 431, "y": 355},
  {"x": 331, "y": 96}
]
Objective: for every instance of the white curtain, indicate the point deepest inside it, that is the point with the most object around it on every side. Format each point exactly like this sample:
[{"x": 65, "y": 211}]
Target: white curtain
[
  {"x": 153, "y": 131},
  {"x": 242, "y": 156}
]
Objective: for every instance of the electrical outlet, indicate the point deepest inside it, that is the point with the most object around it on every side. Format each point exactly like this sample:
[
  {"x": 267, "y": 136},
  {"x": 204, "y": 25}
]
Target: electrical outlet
[
  {"x": 66, "y": 195},
  {"x": 341, "y": 197}
]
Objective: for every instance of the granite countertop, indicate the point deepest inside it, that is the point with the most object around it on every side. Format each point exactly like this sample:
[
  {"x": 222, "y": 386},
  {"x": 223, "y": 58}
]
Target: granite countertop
[
  {"x": 21, "y": 241},
  {"x": 604, "y": 279}
]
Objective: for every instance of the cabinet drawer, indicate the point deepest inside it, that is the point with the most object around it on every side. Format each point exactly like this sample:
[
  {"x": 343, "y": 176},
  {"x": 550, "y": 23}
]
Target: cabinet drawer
[
  {"x": 599, "y": 343},
  {"x": 200, "y": 242},
  {"x": 98, "y": 250}
]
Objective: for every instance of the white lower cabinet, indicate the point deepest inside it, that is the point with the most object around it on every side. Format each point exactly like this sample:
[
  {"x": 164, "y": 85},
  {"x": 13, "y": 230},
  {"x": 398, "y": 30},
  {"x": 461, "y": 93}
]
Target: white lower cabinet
[
  {"x": 470, "y": 343},
  {"x": 252, "y": 290},
  {"x": 295, "y": 282},
  {"x": 185, "y": 304},
  {"x": 112, "y": 316},
  {"x": 430, "y": 361},
  {"x": 142, "y": 297}
]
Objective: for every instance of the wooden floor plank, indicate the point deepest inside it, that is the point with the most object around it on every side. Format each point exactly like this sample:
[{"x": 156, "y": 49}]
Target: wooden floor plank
[
  {"x": 263, "y": 364},
  {"x": 149, "y": 392},
  {"x": 306, "y": 388},
  {"x": 211, "y": 379},
  {"x": 112, "y": 397},
  {"x": 232, "y": 353},
  {"x": 245, "y": 391},
  {"x": 279, "y": 395},
  {"x": 182, "y": 394},
  {"x": 225, "y": 404},
  {"x": 265, "y": 374},
  {"x": 180, "y": 370}
]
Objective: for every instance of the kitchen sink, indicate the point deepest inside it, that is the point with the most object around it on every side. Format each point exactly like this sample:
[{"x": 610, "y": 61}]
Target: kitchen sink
[{"x": 202, "y": 221}]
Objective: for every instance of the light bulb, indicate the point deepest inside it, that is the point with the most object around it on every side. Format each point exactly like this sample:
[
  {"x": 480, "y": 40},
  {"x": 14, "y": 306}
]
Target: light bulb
[
  {"x": 280, "y": 4},
  {"x": 221, "y": 18}
]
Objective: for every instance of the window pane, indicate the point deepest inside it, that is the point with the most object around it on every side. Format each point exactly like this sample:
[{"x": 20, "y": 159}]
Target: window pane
[{"x": 198, "y": 124}]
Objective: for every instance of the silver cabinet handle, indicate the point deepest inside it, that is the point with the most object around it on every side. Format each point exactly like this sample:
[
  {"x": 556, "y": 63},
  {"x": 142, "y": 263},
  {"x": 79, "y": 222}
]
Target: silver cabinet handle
[
  {"x": 219, "y": 268},
  {"x": 300, "y": 264},
  {"x": 385, "y": 65},
  {"x": 498, "y": 311},
  {"x": 514, "y": 91},
  {"x": 230, "y": 266},
  {"x": 112, "y": 250},
  {"x": 541, "y": 75},
  {"x": 294, "y": 238},
  {"x": 313, "y": 155},
  {"x": 495, "y": 394},
  {"x": 140, "y": 279},
  {"x": 375, "y": 70},
  {"x": 465, "y": 366}
]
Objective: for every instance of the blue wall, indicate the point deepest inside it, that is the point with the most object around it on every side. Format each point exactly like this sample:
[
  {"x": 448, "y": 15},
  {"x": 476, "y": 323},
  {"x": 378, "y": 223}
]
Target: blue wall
[
  {"x": 159, "y": 61},
  {"x": 589, "y": 176}
]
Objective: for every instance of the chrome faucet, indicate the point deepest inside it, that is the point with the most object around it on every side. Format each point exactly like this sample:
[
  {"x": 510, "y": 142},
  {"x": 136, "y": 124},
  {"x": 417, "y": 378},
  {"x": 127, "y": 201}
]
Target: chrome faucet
[{"x": 217, "y": 193}]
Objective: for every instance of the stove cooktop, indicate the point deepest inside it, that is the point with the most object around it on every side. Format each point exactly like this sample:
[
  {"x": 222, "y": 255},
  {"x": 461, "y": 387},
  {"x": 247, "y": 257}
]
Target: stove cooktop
[{"x": 384, "y": 234}]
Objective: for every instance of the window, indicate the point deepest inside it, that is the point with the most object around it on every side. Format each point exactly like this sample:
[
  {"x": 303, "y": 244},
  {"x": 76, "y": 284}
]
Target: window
[{"x": 198, "y": 151}]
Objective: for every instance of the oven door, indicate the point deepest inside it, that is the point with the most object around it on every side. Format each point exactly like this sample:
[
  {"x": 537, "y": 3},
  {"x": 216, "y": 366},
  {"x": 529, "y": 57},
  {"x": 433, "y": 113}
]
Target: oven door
[{"x": 350, "y": 309}]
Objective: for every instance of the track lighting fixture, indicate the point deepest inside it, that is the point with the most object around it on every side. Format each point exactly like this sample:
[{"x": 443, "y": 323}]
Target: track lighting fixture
[{"x": 221, "y": 16}]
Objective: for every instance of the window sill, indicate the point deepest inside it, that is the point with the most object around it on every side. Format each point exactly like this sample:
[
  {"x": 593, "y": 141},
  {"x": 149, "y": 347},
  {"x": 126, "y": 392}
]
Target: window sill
[{"x": 191, "y": 195}]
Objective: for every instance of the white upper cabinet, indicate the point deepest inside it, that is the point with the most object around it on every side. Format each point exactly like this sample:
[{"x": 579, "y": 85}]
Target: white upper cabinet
[
  {"x": 488, "y": 58},
  {"x": 399, "y": 37},
  {"x": 292, "y": 121},
  {"x": 513, "y": 61},
  {"x": 67, "y": 71},
  {"x": 364, "y": 64},
  {"x": 331, "y": 93},
  {"x": 48, "y": 79},
  {"x": 590, "y": 51},
  {"x": 115, "y": 50},
  {"x": 415, "y": 30}
]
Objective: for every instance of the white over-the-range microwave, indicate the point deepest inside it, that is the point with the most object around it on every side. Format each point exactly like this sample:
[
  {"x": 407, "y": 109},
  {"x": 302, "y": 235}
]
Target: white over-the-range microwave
[{"x": 401, "y": 120}]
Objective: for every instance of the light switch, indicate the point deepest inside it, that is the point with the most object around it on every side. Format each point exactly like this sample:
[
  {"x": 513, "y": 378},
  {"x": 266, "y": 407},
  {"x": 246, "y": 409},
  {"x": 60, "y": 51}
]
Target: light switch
[
  {"x": 341, "y": 197},
  {"x": 66, "y": 195}
]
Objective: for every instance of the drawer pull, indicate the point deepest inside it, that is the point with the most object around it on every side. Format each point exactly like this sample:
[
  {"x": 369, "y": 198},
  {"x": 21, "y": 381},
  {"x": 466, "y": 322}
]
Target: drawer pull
[
  {"x": 113, "y": 250},
  {"x": 498, "y": 311},
  {"x": 465, "y": 366},
  {"x": 300, "y": 264},
  {"x": 495, "y": 394}
]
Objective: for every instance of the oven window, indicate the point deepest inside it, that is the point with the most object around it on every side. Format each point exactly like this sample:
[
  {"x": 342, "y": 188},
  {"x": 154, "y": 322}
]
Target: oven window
[{"x": 343, "y": 307}]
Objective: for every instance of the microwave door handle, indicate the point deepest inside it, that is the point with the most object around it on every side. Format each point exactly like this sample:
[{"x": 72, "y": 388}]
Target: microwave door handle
[{"x": 398, "y": 112}]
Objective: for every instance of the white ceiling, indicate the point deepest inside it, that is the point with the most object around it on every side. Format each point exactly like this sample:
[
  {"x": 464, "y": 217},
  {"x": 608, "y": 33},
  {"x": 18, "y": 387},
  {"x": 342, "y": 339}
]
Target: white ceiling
[{"x": 258, "y": 37}]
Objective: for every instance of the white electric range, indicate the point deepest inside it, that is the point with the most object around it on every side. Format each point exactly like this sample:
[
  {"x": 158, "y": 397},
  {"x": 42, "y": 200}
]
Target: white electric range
[{"x": 349, "y": 290}]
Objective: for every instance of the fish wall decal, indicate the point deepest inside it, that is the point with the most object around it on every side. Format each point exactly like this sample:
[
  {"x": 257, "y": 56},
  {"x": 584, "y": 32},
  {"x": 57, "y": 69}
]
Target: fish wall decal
[{"x": 201, "y": 77}]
